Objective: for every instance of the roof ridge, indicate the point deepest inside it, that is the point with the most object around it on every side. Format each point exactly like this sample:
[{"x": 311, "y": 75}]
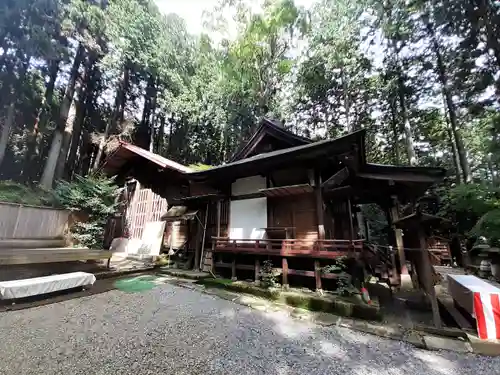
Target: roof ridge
[{"x": 271, "y": 124}]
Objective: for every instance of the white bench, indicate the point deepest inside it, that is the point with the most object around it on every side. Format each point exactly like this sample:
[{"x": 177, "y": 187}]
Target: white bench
[{"x": 15, "y": 289}]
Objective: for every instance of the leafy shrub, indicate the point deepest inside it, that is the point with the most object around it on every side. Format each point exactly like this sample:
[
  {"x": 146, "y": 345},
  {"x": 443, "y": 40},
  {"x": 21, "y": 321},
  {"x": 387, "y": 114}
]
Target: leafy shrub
[
  {"x": 95, "y": 197},
  {"x": 474, "y": 210},
  {"x": 268, "y": 275},
  {"x": 345, "y": 286}
]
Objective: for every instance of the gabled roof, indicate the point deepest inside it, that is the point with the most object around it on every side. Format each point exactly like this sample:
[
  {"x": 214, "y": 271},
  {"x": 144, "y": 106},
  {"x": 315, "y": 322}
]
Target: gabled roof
[
  {"x": 126, "y": 152},
  {"x": 273, "y": 129},
  {"x": 309, "y": 151}
]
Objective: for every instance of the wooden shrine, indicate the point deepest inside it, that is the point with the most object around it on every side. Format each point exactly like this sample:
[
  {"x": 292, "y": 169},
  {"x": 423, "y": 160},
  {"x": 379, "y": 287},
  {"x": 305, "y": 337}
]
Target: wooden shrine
[{"x": 285, "y": 198}]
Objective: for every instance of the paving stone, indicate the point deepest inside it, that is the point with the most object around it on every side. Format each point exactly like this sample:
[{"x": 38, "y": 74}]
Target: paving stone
[
  {"x": 326, "y": 319},
  {"x": 414, "y": 338},
  {"x": 444, "y": 343},
  {"x": 484, "y": 347}
]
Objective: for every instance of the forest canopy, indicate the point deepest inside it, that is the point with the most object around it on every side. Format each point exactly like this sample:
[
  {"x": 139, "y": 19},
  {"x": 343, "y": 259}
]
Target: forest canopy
[{"x": 76, "y": 76}]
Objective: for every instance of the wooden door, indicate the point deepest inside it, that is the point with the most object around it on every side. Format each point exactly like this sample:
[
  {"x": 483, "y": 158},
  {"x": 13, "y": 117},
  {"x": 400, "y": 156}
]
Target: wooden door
[{"x": 298, "y": 212}]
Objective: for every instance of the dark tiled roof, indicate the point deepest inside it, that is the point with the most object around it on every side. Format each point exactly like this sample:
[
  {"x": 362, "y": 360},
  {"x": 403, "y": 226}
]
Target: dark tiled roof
[
  {"x": 290, "y": 152},
  {"x": 274, "y": 129}
]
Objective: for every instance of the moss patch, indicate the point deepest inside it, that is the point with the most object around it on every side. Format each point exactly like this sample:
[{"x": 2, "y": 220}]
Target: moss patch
[
  {"x": 13, "y": 192},
  {"x": 343, "y": 306},
  {"x": 332, "y": 304},
  {"x": 241, "y": 287},
  {"x": 135, "y": 284}
]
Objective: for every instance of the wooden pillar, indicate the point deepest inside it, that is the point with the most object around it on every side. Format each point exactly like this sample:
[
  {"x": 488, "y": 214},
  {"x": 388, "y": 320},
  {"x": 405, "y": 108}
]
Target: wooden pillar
[
  {"x": 202, "y": 251},
  {"x": 214, "y": 243},
  {"x": 217, "y": 234},
  {"x": 351, "y": 224},
  {"x": 317, "y": 274},
  {"x": 427, "y": 277},
  {"x": 398, "y": 234},
  {"x": 233, "y": 269},
  {"x": 319, "y": 206},
  {"x": 284, "y": 266},
  {"x": 218, "y": 218},
  {"x": 257, "y": 271},
  {"x": 197, "y": 251}
]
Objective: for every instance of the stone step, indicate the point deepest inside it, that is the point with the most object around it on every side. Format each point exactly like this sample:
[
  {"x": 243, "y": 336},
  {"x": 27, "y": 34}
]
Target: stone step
[
  {"x": 34, "y": 256},
  {"x": 43, "y": 250},
  {"x": 20, "y": 243}
]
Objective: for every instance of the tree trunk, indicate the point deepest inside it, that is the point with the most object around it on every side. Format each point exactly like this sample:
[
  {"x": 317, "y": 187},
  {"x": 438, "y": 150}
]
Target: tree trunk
[
  {"x": 11, "y": 111},
  {"x": 453, "y": 146},
  {"x": 456, "y": 159},
  {"x": 49, "y": 170},
  {"x": 73, "y": 125},
  {"x": 347, "y": 103},
  {"x": 152, "y": 119},
  {"x": 31, "y": 159},
  {"x": 7, "y": 125},
  {"x": 488, "y": 15},
  {"x": 144, "y": 133},
  {"x": 123, "y": 95},
  {"x": 450, "y": 105},
  {"x": 395, "y": 131},
  {"x": 81, "y": 111},
  {"x": 170, "y": 131},
  {"x": 491, "y": 171},
  {"x": 87, "y": 151},
  {"x": 410, "y": 148},
  {"x": 66, "y": 139},
  {"x": 161, "y": 135},
  {"x": 75, "y": 139},
  {"x": 117, "y": 114}
]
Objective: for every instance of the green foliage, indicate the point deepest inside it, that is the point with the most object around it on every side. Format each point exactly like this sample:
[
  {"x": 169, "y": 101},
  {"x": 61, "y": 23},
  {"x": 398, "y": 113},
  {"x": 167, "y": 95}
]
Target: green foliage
[
  {"x": 13, "y": 192},
  {"x": 199, "y": 167},
  {"x": 268, "y": 275},
  {"x": 92, "y": 197},
  {"x": 345, "y": 286},
  {"x": 474, "y": 209},
  {"x": 241, "y": 287},
  {"x": 488, "y": 226},
  {"x": 343, "y": 306}
]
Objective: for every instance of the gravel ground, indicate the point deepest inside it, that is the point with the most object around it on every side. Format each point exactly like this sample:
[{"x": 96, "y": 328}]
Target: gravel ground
[{"x": 172, "y": 330}]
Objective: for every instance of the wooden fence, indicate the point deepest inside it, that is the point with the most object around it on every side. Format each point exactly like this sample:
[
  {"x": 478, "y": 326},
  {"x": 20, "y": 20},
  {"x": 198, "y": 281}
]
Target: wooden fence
[
  {"x": 144, "y": 207},
  {"x": 320, "y": 249},
  {"x": 19, "y": 221}
]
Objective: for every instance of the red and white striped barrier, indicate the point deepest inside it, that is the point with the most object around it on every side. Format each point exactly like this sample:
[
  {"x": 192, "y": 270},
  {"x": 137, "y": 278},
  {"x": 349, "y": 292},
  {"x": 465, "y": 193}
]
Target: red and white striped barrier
[{"x": 481, "y": 300}]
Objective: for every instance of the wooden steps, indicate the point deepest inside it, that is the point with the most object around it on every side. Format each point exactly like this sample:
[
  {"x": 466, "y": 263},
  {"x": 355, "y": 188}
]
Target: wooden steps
[{"x": 449, "y": 306}]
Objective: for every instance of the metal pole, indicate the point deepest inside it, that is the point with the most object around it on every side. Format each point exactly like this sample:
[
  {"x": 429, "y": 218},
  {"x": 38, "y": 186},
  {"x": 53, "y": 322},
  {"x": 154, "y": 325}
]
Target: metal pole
[{"x": 203, "y": 240}]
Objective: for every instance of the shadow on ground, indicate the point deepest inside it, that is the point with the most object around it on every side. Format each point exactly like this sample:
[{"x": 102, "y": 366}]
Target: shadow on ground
[{"x": 173, "y": 330}]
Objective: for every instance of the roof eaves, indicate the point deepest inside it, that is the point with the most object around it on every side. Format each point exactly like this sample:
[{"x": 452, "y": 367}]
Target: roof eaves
[
  {"x": 155, "y": 158},
  {"x": 437, "y": 172},
  {"x": 291, "y": 150}
]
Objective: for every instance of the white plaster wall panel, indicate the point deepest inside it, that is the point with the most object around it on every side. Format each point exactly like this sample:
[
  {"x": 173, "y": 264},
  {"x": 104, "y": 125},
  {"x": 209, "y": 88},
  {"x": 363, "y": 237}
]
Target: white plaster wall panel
[
  {"x": 248, "y": 185},
  {"x": 247, "y": 218}
]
